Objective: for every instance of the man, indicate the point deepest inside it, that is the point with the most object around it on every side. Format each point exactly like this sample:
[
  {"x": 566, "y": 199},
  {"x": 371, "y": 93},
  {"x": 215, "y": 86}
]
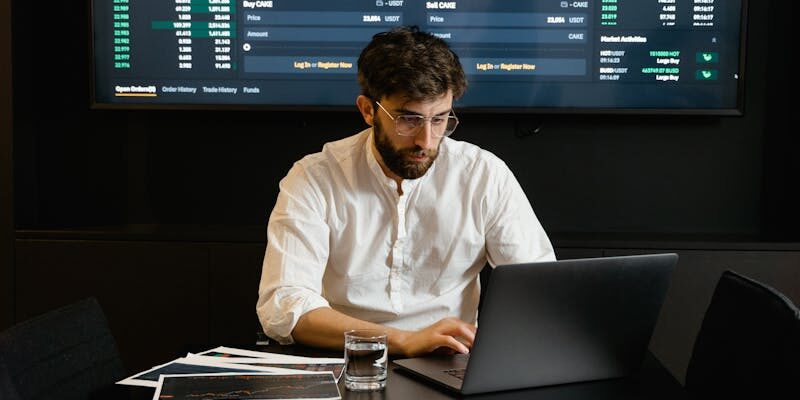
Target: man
[{"x": 389, "y": 228}]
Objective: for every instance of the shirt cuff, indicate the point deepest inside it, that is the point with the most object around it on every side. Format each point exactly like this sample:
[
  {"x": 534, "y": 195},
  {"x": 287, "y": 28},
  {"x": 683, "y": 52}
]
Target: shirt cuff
[{"x": 280, "y": 313}]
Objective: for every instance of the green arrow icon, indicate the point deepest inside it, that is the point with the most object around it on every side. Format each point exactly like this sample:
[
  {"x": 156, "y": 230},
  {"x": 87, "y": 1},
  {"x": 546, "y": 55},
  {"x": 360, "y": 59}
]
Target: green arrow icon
[
  {"x": 706, "y": 75},
  {"x": 704, "y": 57}
]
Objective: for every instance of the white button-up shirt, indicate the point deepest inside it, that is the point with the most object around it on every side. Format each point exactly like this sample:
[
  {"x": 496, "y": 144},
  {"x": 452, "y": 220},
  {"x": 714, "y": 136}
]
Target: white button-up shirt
[{"x": 340, "y": 236}]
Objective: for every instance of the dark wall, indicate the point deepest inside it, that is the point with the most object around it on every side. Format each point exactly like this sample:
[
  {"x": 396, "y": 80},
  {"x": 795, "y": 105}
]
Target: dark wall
[
  {"x": 6, "y": 183},
  {"x": 161, "y": 214},
  {"x": 589, "y": 174},
  {"x": 782, "y": 164}
]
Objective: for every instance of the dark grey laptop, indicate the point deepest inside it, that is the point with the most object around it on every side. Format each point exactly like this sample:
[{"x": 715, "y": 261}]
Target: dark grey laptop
[{"x": 557, "y": 322}]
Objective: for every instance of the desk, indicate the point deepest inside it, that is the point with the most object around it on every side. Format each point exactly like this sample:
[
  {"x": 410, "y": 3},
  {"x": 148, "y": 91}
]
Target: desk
[{"x": 653, "y": 383}]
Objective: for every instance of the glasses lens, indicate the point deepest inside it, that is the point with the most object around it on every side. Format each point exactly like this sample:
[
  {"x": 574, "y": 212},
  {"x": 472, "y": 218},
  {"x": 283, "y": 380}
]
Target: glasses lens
[
  {"x": 409, "y": 125},
  {"x": 452, "y": 123}
]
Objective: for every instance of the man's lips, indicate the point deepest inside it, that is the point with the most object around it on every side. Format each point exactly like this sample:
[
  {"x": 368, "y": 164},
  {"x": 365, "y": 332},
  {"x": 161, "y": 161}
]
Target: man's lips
[{"x": 417, "y": 157}]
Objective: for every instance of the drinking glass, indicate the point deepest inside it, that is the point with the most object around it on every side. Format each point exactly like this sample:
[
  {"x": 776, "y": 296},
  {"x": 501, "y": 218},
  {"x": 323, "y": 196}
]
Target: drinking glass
[{"x": 365, "y": 359}]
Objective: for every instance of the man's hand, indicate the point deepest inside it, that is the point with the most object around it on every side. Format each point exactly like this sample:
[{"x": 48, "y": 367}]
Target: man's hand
[
  {"x": 448, "y": 334},
  {"x": 324, "y": 327}
]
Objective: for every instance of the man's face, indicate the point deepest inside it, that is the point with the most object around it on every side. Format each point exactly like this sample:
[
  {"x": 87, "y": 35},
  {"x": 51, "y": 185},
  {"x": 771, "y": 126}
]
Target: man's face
[{"x": 408, "y": 157}]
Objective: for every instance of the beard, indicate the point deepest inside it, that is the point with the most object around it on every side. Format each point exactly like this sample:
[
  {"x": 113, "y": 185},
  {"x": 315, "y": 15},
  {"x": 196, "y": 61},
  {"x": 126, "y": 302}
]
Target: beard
[{"x": 395, "y": 159}]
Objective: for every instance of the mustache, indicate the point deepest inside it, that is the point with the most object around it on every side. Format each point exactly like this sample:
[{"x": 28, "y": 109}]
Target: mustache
[{"x": 417, "y": 152}]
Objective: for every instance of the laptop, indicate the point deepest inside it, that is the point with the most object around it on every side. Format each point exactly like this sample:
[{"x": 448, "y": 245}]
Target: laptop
[{"x": 557, "y": 322}]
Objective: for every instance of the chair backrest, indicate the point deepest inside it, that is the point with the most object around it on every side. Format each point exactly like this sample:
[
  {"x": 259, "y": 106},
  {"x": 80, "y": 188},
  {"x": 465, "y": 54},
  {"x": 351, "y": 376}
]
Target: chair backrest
[
  {"x": 8, "y": 391},
  {"x": 748, "y": 345},
  {"x": 68, "y": 353}
]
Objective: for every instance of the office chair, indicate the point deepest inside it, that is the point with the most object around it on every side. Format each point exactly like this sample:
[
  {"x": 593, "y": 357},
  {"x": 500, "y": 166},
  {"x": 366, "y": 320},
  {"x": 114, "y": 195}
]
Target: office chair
[
  {"x": 7, "y": 390},
  {"x": 748, "y": 345},
  {"x": 64, "y": 354}
]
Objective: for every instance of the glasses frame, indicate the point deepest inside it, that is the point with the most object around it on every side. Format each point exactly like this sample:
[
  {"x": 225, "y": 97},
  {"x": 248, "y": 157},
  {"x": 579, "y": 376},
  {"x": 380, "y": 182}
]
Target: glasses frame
[{"x": 414, "y": 132}]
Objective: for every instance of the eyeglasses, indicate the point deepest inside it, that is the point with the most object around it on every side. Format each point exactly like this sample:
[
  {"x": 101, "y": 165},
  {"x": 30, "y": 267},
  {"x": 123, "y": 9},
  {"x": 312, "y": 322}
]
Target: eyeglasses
[{"x": 410, "y": 124}]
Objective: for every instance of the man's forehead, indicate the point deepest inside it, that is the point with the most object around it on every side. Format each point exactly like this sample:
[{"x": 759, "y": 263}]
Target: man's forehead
[{"x": 437, "y": 104}]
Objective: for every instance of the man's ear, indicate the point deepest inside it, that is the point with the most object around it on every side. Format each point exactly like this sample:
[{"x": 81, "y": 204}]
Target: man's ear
[{"x": 364, "y": 105}]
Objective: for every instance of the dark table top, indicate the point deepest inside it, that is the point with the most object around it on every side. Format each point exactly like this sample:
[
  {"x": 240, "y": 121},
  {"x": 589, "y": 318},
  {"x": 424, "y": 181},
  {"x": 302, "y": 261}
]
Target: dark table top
[{"x": 653, "y": 382}]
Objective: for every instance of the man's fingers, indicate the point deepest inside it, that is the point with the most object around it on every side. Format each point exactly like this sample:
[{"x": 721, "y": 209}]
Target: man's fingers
[
  {"x": 443, "y": 343},
  {"x": 460, "y": 330},
  {"x": 448, "y": 334},
  {"x": 454, "y": 344},
  {"x": 468, "y": 334}
]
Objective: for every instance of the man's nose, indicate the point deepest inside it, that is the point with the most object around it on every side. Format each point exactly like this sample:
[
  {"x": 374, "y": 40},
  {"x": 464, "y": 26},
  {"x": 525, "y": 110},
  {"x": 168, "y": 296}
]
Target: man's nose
[{"x": 424, "y": 137}]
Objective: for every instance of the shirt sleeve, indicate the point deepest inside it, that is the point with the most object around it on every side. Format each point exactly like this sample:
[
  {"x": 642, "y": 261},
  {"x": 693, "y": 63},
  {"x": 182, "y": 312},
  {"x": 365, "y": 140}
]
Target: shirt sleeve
[
  {"x": 514, "y": 233},
  {"x": 296, "y": 256}
]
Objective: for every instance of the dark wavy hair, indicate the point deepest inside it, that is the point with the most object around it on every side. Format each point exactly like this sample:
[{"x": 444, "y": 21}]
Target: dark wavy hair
[{"x": 407, "y": 61}]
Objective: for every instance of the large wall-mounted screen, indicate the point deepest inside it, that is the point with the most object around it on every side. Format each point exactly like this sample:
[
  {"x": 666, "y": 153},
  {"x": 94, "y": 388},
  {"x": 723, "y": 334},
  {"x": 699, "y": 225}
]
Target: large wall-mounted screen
[{"x": 638, "y": 56}]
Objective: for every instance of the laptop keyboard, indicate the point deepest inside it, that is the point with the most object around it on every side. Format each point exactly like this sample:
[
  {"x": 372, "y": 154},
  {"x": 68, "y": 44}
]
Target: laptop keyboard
[{"x": 456, "y": 372}]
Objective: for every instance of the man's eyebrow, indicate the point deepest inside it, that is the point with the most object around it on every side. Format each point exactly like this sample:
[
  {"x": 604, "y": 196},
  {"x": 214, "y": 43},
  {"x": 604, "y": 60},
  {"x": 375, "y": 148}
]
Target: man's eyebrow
[{"x": 404, "y": 111}]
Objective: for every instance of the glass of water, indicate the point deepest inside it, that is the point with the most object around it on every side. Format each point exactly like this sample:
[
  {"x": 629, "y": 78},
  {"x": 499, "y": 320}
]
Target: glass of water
[{"x": 365, "y": 359}]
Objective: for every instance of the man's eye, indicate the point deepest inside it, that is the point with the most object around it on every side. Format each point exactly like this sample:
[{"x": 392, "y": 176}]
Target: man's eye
[
  {"x": 438, "y": 120},
  {"x": 409, "y": 119}
]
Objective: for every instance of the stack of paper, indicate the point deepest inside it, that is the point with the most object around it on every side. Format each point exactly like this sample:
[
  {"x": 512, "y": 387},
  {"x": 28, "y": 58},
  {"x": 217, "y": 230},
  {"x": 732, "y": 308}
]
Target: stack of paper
[{"x": 229, "y": 373}]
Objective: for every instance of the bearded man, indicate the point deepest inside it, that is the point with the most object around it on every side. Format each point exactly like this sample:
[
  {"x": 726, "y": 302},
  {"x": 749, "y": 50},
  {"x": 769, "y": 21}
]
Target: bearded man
[{"x": 389, "y": 229}]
